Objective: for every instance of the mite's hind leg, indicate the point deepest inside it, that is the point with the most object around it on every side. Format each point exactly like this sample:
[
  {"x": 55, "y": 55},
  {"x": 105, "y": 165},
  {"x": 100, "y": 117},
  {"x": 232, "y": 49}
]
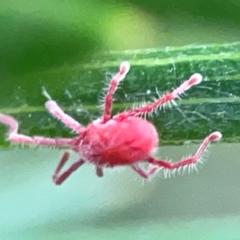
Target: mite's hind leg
[
  {"x": 190, "y": 162},
  {"x": 58, "y": 177},
  {"x": 145, "y": 173}
]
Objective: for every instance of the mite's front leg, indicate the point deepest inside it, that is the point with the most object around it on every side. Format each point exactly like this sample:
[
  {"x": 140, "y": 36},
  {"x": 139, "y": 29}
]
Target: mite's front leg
[
  {"x": 58, "y": 113},
  {"x": 108, "y": 99},
  {"x": 58, "y": 177},
  {"x": 167, "y": 98},
  {"x": 15, "y": 137}
]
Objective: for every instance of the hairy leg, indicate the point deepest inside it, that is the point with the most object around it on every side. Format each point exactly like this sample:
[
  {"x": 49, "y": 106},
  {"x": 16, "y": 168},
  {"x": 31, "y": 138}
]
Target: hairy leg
[
  {"x": 123, "y": 70},
  {"x": 58, "y": 113},
  {"x": 145, "y": 173},
  {"x": 15, "y": 137},
  {"x": 190, "y": 161},
  {"x": 162, "y": 101},
  {"x": 59, "y": 178}
]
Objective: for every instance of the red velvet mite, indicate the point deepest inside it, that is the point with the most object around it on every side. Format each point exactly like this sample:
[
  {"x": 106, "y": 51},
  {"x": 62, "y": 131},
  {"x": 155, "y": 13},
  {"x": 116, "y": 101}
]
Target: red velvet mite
[{"x": 124, "y": 139}]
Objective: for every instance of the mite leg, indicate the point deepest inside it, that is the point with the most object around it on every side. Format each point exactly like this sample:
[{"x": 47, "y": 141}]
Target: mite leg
[
  {"x": 15, "y": 137},
  {"x": 58, "y": 113},
  {"x": 108, "y": 99},
  {"x": 190, "y": 162},
  {"x": 145, "y": 173},
  {"x": 59, "y": 178},
  {"x": 99, "y": 171},
  {"x": 165, "y": 99},
  {"x": 61, "y": 163}
]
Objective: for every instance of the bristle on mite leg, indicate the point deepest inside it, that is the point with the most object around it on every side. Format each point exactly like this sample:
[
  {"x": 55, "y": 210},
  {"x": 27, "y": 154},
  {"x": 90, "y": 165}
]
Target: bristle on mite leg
[
  {"x": 45, "y": 93},
  {"x": 187, "y": 163}
]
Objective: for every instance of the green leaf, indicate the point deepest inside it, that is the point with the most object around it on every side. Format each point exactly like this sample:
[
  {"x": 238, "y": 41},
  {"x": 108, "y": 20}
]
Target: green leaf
[{"x": 212, "y": 105}]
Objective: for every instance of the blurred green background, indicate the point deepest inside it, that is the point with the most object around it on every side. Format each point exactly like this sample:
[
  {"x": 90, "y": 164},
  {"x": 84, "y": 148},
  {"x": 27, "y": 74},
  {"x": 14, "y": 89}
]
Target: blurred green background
[{"x": 37, "y": 36}]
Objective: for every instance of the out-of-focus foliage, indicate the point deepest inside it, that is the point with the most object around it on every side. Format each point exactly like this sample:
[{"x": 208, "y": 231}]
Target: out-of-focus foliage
[{"x": 37, "y": 35}]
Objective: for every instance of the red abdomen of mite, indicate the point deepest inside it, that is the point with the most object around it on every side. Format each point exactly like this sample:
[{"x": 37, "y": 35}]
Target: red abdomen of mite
[{"x": 117, "y": 142}]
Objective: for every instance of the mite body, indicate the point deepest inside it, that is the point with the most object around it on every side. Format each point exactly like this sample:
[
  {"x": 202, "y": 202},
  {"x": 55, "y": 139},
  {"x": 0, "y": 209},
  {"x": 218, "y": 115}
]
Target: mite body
[
  {"x": 117, "y": 142},
  {"x": 125, "y": 139}
]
